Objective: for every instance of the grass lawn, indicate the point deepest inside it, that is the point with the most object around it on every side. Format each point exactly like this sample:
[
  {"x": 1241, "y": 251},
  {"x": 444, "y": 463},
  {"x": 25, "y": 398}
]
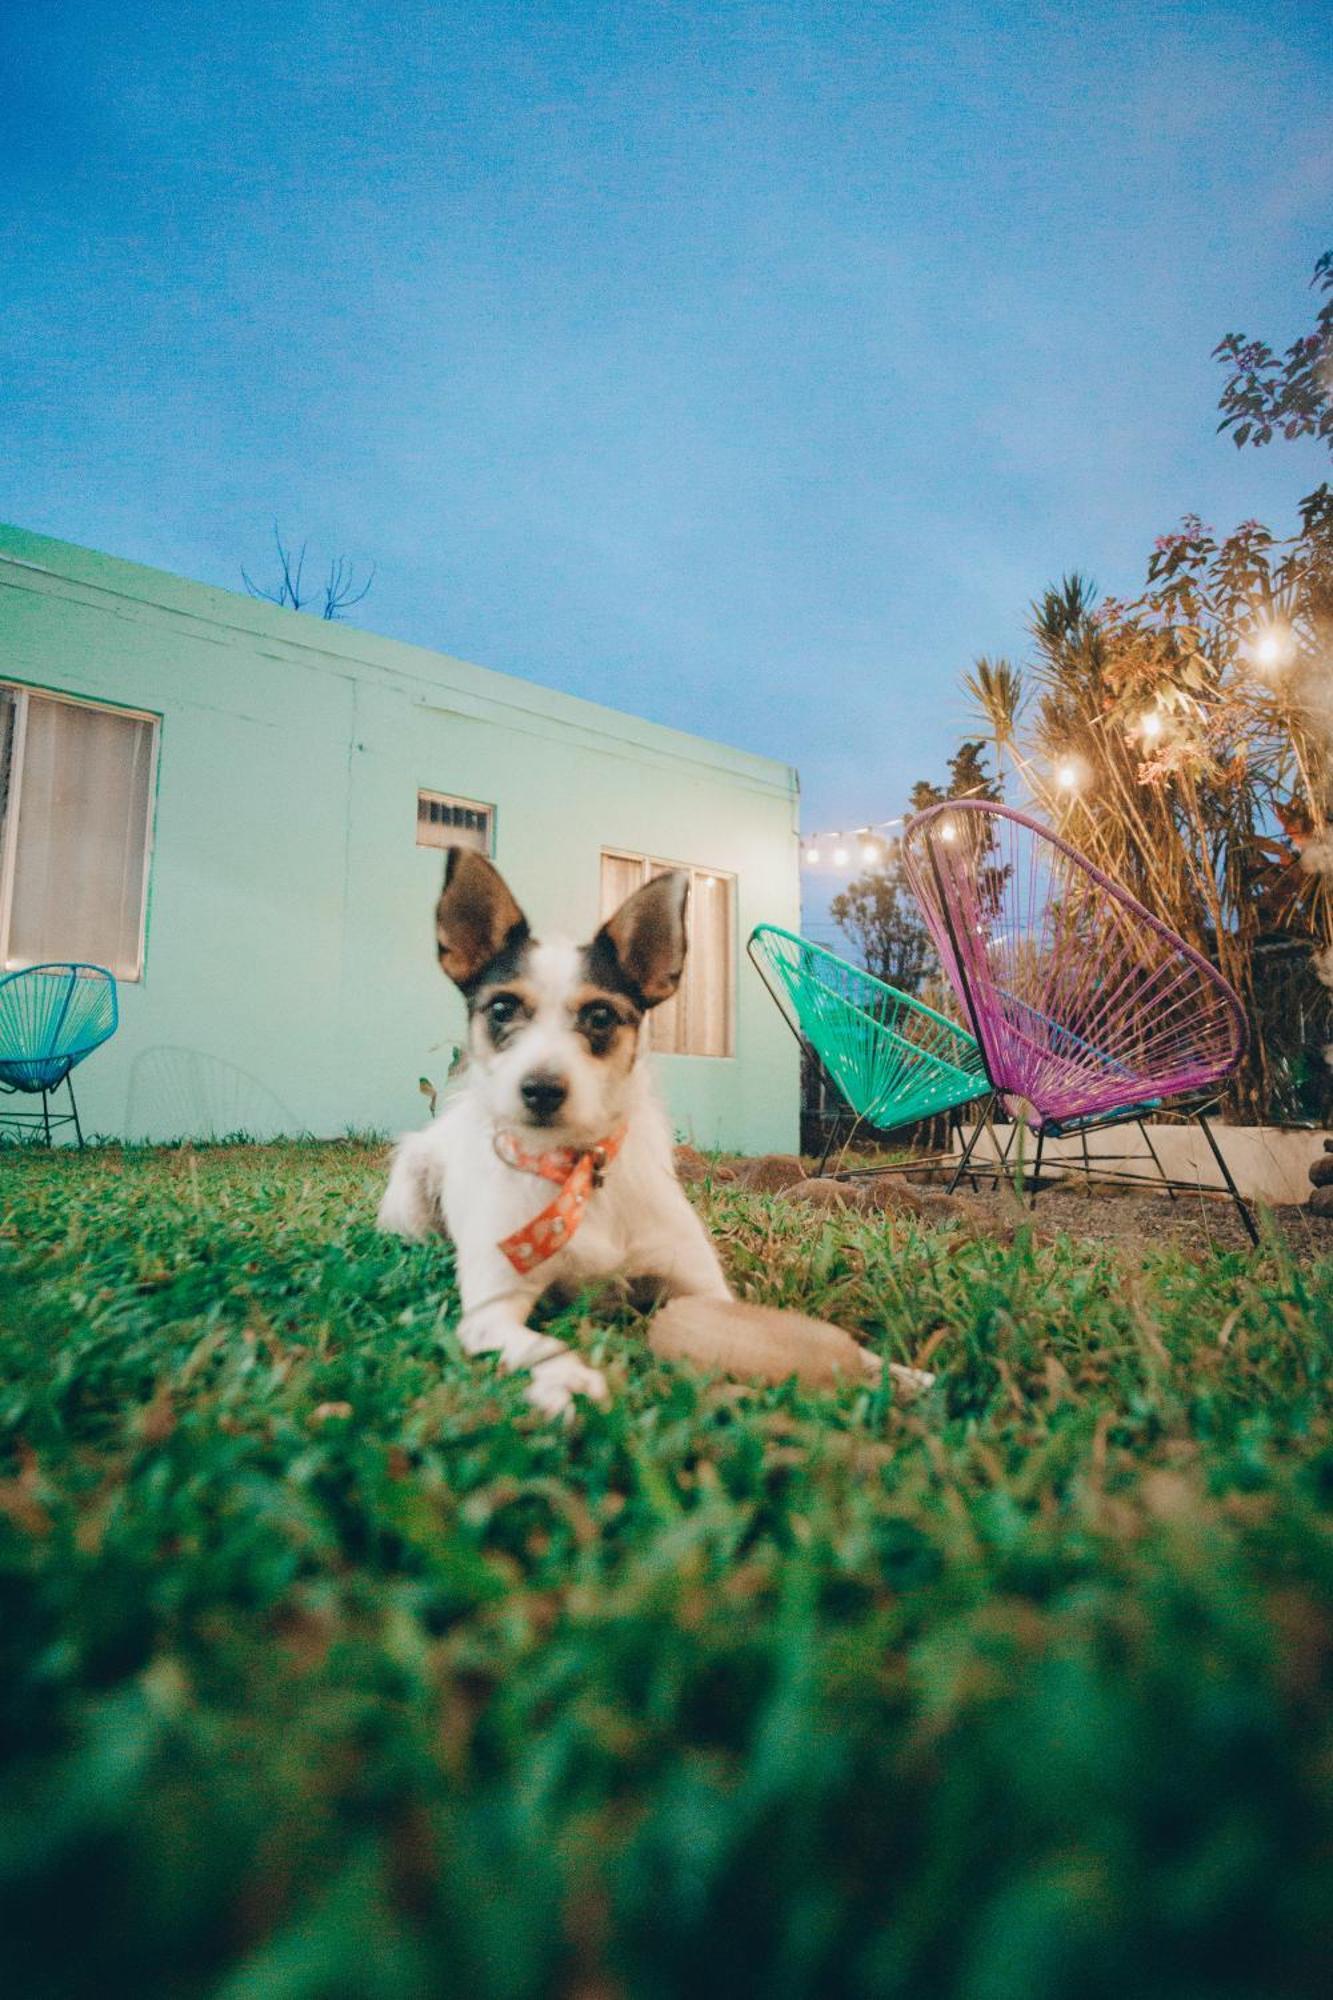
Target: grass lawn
[{"x": 328, "y": 1670}]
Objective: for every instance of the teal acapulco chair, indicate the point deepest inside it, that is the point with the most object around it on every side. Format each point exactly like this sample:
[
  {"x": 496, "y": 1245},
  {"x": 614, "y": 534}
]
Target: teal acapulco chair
[
  {"x": 51, "y": 1017},
  {"x": 894, "y": 1059}
]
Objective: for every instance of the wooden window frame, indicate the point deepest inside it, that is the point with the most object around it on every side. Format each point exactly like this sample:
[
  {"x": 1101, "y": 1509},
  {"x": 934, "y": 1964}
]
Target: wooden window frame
[
  {"x": 23, "y": 695},
  {"x": 700, "y": 877}
]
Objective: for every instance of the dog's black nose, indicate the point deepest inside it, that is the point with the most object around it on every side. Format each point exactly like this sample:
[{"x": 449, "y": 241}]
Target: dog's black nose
[{"x": 543, "y": 1093}]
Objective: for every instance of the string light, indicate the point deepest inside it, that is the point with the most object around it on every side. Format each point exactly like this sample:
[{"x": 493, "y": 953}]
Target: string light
[
  {"x": 1271, "y": 648},
  {"x": 1151, "y": 725},
  {"x": 833, "y": 848},
  {"x": 1066, "y": 777}
]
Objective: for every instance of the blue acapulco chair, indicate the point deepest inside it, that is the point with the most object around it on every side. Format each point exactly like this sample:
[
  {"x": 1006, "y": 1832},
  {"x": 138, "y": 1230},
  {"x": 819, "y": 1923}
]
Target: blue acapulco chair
[
  {"x": 895, "y": 1060},
  {"x": 51, "y": 1017}
]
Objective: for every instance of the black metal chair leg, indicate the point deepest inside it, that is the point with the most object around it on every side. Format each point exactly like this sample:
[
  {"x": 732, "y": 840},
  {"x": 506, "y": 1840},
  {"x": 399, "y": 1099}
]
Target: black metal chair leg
[
  {"x": 828, "y": 1146},
  {"x": 1012, "y": 1132},
  {"x": 1036, "y": 1168},
  {"x": 1232, "y": 1189},
  {"x": 955, "y": 1135},
  {"x": 969, "y": 1149},
  {"x": 1169, "y": 1184},
  {"x": 46, "y": 1117},
  {"x": 1087, "y": 1162},
  {"x": 78, "y": 1129}
]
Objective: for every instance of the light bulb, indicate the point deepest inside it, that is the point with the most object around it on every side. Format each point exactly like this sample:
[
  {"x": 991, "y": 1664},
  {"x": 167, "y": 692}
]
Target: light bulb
[
  {"x": 1269, "y": 647},
  {"x": 812, "y": 856},
  {"x": 870, "y": 854},
  {"x": 1151, "y": 725},
  {"x": 840, "y": 857},
  {"x": 1067, "y": 777}
]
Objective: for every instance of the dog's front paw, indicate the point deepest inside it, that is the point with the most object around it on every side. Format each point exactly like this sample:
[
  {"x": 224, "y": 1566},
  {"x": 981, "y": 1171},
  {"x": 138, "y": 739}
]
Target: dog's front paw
[
  {"x": 910, "y": 1382},
  {"x": 556, "y": 1382}
]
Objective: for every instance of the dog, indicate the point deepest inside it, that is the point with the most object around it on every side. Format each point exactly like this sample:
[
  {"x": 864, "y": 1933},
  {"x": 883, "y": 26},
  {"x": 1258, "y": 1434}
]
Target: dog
[{"x": 552, "y": 1168}]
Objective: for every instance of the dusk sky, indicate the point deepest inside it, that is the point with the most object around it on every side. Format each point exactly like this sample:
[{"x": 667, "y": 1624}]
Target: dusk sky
[{"x": 749, "y": 367}]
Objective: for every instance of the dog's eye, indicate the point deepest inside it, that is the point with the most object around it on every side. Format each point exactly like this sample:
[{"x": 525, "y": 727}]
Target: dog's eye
[
  {"x": 599, "y": 1019},
  {"x": 502, "y": 1009}
]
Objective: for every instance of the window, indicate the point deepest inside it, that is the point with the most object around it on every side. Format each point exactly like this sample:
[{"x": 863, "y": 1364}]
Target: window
[
  {"x": 76, "y": 802},
  {"x": 698, "y": 1021},
  {"x": 445, "y": 822}
]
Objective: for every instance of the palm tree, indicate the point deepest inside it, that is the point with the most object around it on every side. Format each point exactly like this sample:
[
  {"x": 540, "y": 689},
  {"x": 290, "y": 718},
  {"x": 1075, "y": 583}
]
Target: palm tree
[{"x": 998, "y": 695}]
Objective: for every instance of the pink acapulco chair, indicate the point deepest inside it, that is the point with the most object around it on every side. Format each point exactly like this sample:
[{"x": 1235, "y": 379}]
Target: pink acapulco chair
[{"x": 1087, "y": 1009}]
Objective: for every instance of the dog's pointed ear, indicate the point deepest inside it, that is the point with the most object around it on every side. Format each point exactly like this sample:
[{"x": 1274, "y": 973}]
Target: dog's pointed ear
[
  {"x": 647, "y": 937},
  {"x": 476, "y": 917}
]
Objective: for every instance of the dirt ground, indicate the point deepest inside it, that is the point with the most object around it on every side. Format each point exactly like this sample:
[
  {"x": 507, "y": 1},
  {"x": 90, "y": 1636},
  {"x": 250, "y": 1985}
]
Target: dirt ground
[
  {"x": 1139, "y": 1218},
  {"x": 1136, "y": 1217}
]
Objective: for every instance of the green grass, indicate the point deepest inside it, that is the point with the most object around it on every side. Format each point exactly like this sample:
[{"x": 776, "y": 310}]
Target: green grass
[{"x": 328, "y": 1670}]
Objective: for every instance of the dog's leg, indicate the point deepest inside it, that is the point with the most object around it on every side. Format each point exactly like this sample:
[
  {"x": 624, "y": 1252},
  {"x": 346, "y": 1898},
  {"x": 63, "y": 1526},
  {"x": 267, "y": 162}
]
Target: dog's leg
[
  {"x": 410, "y": 1204},
  {"x": 495, "y": 1321},
  {"x": 557, "y": 1374},
  {"x": 680, "y": 1254}
]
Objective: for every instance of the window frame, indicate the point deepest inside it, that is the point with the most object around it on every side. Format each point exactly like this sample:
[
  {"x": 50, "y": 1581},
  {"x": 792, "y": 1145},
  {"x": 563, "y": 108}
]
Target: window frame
[
  {"x": 23, "y": 693},
  {"x": 657, "y": 865},
  {"x": 468, "y": 805}
]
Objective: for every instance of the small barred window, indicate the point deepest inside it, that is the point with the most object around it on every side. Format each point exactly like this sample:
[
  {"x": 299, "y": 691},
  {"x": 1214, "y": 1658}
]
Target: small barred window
[{"x": 446, "y": 822}]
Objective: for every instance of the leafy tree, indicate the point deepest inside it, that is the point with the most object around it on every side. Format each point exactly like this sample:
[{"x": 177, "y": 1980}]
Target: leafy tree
[
  {"x": 968, "y": 779},
  {"x": 877, "y": 913},
  {"x": 1184, "y": 740},
  {"x": 1291, "y": 394}
]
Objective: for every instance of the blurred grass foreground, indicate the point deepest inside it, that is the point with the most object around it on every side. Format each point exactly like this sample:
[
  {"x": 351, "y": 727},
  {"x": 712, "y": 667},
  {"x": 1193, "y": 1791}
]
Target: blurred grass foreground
[{"x": 327, "y": 1670}]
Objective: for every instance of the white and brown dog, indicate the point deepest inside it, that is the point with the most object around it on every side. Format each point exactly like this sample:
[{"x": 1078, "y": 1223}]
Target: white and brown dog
[{"x": 552, "y": 1167}]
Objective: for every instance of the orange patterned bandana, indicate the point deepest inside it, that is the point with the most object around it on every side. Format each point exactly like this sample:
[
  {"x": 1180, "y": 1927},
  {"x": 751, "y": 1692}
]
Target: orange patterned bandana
[{"x": 576, "y": 1173}]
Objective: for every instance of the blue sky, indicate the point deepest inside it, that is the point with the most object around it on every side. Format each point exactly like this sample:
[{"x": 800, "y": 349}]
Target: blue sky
[{"x": 747, "y": 366}]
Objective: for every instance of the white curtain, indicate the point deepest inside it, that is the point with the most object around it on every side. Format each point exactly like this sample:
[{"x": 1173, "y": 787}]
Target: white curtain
[
  {"x": 622, "y": 874},
  {"x": 697, "y": 1021},
  {"x": 708, "y": 967},
  {"x": 81, "y": 838}
]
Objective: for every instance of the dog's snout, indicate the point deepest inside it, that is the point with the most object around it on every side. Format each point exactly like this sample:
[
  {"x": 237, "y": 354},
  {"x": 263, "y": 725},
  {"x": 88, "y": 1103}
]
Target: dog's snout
[{"x": 543, "y": 1093}]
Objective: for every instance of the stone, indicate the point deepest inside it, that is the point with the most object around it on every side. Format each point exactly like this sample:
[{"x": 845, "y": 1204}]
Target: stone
[
  {"x": 937, "y": 1206},
  {"x": 1321, "y": 1201},
  {"x": 882, "y": 1194},
  {"x": 760, "y": 1344},
  {"x": 1321, "y": 1171},
  {"x": 822, "y": 1194},
  {"x": 693, "y": 1168},
  {"x": 890, "y": 1194},
  {"x": 770, "y": 1173}
]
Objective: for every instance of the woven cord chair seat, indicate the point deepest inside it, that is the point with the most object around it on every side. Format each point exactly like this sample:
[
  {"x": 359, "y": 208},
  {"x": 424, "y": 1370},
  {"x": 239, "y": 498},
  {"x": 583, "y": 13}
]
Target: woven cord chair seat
[
  {"x": 51, "y": 1018},
  {"x": 1084, "y": 1003},
  {"x": 893, "y": 1058}
]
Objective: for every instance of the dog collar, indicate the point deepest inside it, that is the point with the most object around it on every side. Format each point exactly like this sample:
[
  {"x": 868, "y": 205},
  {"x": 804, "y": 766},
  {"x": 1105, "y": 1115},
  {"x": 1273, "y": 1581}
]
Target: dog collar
[{"x": 576, "y": 1172}]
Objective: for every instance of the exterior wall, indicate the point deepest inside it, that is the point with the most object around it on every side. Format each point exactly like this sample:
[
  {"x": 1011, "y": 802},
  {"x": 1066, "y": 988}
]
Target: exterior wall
[{"x": 289, "y": 981}]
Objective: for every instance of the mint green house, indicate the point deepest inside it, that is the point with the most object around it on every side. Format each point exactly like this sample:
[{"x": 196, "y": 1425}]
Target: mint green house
[{"x": 239, "y": 810}]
